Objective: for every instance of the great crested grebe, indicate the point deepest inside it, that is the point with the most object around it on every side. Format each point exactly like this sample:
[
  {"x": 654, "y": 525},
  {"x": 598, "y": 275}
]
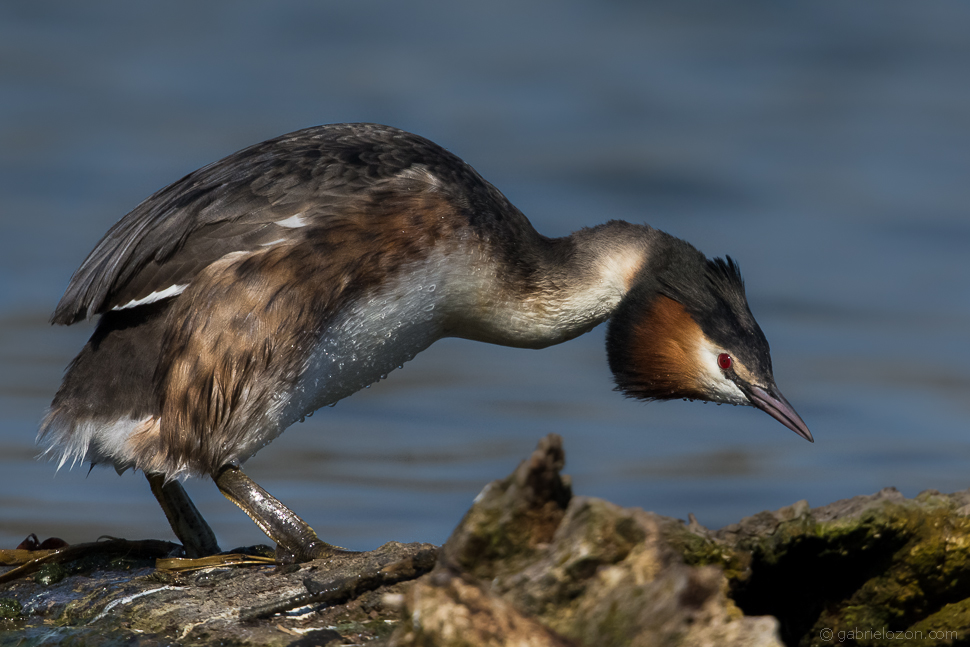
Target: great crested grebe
[{"x": 297, "y": 271}]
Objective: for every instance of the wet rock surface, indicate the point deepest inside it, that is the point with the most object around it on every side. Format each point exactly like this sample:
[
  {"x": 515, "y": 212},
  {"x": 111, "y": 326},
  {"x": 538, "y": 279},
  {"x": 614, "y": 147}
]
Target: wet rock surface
[
  {"x": 532, "y": 564},
  {"x": 341, "y": 600}
]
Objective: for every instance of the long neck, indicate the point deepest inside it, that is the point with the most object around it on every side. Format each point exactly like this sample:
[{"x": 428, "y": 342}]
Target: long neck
[{"x": 548, "y": 291}]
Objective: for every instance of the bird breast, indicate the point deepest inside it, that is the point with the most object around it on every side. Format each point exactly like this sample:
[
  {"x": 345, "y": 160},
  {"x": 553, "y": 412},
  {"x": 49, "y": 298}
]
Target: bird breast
[{"x": 370, "y": 337}]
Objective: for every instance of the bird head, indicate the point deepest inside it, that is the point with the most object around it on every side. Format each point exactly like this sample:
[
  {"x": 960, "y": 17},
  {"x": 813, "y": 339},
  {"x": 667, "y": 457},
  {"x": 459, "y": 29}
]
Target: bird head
[{"x": 685, "y": 330}]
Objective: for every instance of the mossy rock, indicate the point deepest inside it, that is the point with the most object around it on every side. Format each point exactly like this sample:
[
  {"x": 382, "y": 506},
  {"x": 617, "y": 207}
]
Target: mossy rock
[{"x": 869, "y": 568}]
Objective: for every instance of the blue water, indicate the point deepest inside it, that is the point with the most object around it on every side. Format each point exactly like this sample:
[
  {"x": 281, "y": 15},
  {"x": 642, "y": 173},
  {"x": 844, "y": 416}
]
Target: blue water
[{"x": 825, "y": 146}]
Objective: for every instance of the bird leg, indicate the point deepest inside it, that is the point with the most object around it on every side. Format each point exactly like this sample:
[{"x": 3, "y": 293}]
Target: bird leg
[
  {"x": 191, "y": 529},
  {"x": 294, "y": 537}
]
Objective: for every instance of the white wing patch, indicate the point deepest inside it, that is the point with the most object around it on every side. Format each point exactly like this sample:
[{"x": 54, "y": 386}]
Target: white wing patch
[
  {"x": 158, "y": 295},
  {"x": 293, "y": 222}
]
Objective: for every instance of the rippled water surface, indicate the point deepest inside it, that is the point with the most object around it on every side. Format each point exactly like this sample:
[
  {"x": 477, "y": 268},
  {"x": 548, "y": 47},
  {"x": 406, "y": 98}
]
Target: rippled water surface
[{"x": 822, "y": 145}]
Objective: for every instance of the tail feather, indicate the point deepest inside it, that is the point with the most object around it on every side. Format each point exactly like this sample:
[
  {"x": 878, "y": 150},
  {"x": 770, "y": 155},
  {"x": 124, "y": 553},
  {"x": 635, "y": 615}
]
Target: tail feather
[
  {"x": 68, "y": 440},
  {"x": 107, "y": 390}
]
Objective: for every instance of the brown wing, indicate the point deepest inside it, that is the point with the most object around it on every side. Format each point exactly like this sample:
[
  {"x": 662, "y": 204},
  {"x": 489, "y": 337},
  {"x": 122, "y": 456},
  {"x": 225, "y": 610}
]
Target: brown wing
[{"x": 238, "y": 203}]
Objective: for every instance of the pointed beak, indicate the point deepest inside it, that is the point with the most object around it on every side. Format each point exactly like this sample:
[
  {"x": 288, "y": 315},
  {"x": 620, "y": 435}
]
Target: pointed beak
[{"x": 772, "y": 402}]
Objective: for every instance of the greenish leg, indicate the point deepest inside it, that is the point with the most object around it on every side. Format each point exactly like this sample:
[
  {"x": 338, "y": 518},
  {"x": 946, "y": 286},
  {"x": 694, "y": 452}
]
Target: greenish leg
[
  {"x": 292, "y": 534},
  {"x": 187, "y": 522}
]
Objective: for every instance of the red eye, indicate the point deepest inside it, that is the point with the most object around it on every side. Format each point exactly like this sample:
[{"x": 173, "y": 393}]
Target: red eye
[{"x": 724, "y": 361}]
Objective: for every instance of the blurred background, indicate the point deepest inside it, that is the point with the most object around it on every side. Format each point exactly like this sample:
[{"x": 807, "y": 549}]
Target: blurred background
[{"x": 825, "y": 146}]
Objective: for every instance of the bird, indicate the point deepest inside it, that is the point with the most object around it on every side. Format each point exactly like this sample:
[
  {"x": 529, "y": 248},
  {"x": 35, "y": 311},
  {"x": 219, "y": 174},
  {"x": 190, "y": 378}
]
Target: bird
[{"x": 297, "y": 271}]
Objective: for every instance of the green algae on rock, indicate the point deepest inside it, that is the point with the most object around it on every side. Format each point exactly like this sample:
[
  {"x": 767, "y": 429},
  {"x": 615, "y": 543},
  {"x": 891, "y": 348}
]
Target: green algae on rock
[{"x": 878, "y": 566}]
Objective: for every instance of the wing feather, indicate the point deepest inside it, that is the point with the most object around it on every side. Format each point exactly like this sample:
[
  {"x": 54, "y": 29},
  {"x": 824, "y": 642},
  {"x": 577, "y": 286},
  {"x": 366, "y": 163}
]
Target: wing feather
[{"x": 235, "y": 204}]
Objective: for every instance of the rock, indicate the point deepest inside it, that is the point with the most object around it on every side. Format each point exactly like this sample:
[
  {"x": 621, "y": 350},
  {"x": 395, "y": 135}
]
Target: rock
[
  {"x": 592, "y": 572},
  {"x": 876, "y": 568},
  {"x": 448, "y": 609},
  {"x": 126, "y": 601},
  {"x": 531, "y": 564}
]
